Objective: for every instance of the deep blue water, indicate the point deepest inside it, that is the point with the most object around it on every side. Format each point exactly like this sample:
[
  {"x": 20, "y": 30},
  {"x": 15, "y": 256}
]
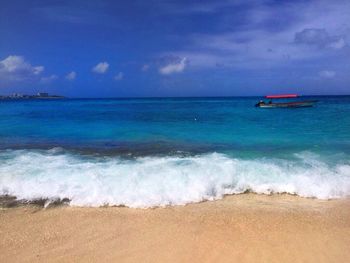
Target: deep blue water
[{"x": 151, "y": 152}]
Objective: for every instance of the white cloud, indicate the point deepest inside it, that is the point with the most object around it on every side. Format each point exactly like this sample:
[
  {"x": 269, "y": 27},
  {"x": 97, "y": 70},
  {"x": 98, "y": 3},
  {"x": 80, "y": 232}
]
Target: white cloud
[
  {"x": 302, "y": 32},
  {"x": 319, "y": 37},
  {"x": 328, "y": 74},
  {"x": 119, "y": 76},
  {"x": 48, "y": 79},
  {"x": 101, "y": 68},
  {"x": 145, "y": 68},
  {"x": 71, "y": 76},
  {"x": 15, "y": 68},
  {"x": 174, "y": 67},
  {"x": 337, "y": 44}
]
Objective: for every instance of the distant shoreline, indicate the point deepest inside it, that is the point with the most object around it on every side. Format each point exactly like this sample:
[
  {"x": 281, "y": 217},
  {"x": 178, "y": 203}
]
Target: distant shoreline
[{"x": 31, "y": 98}]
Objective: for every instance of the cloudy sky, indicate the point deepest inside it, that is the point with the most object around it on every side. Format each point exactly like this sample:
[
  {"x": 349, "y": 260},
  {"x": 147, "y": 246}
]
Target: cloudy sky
[{"x": 174, "y": 48}]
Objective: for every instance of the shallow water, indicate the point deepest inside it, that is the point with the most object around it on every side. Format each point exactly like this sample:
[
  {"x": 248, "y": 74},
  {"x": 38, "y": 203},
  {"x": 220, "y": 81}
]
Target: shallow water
[{"x": 151, "y": 152}]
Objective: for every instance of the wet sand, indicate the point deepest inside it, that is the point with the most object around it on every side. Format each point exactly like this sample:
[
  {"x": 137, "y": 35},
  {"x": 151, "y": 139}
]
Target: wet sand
[{"x": 242, "y": 228}]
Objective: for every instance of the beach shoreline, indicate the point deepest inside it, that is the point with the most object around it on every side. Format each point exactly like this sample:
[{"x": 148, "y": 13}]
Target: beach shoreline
[{"x": 239, "y": 228}]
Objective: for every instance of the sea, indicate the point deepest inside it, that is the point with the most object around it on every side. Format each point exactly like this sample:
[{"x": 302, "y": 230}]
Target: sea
[{"x": 150, "y": 152}]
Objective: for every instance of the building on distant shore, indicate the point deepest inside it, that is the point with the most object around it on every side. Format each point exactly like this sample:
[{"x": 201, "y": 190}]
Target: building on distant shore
[
  {"x": 16, "y": 95},
  {"x": 42, "y": 94}
]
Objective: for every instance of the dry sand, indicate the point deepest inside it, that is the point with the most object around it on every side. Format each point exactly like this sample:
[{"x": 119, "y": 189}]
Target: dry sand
[{"x": 243, "y": 228}]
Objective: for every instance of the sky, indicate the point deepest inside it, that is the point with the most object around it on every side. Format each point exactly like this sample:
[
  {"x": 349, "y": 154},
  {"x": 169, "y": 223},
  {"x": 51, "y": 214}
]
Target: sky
[{"x": 160, "y": 48}]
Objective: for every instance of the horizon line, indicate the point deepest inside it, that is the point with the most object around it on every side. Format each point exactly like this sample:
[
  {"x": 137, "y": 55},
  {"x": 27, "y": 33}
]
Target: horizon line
[{"x": 174, "y": 97}]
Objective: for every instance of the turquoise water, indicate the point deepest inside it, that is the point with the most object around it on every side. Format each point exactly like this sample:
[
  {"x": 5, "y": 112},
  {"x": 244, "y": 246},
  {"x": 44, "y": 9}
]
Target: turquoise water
[
  {"x": 213, "y": 124},
  {"x": 193, "y": 149}
]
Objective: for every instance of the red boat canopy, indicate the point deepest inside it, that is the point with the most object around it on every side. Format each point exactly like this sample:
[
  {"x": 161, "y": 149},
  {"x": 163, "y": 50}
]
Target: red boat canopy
[{"x": 281, "y": 96}]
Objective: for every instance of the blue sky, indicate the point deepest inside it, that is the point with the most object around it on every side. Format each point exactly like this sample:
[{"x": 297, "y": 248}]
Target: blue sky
[{"x": 174, "y": 48}]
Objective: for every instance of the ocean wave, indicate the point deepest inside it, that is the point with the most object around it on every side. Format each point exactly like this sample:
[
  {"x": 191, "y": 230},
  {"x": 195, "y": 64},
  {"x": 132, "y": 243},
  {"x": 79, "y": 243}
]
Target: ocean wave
[{"x": 160, "y": 181}]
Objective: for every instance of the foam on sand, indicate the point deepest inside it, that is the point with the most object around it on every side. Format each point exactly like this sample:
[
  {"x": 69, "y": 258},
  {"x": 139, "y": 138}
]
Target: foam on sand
[{"x": 160, "y": 181}]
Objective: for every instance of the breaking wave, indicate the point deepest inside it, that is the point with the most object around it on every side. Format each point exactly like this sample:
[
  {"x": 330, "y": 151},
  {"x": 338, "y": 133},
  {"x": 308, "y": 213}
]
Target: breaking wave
[{"x": 160, "y": 181}]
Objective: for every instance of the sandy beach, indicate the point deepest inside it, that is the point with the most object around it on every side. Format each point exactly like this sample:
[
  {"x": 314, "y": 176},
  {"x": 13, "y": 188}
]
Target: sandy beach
[{"x": 242, "y": 228}]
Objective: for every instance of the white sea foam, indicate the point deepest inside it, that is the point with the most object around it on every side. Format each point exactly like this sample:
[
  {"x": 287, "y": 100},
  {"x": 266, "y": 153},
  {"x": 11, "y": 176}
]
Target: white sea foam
[{"x": 160, "y": 181}]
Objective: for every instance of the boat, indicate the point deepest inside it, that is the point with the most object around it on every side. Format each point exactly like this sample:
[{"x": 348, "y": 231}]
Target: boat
[{"x": 290, "y": 104}]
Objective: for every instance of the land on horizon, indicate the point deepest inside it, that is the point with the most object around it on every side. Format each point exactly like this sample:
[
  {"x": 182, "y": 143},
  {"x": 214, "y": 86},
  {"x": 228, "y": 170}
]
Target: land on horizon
[{"x": 40, "y": 95}]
